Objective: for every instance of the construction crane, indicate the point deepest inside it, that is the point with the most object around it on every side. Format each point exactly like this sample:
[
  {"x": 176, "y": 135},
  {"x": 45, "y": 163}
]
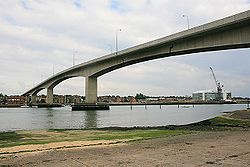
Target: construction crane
[{"x": 218, "y": 86}]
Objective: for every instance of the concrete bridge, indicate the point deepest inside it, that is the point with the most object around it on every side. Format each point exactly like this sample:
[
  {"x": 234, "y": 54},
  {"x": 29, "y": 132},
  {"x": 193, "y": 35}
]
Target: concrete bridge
[{"x": 229, "y": 33}]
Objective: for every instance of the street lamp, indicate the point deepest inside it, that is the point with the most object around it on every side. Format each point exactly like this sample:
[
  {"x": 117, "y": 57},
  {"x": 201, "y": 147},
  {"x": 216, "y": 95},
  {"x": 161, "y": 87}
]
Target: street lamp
[
  {"x": 116, "y": 40},
  {"x": 187, "y": 20}
]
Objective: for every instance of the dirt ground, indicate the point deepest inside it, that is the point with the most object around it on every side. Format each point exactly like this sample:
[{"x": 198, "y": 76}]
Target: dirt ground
[{"x": 226, "y": 148}]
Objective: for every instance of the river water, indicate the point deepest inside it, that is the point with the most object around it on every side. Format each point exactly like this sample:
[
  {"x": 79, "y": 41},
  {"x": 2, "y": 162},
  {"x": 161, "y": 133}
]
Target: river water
[{"x": 12, "y": 119}]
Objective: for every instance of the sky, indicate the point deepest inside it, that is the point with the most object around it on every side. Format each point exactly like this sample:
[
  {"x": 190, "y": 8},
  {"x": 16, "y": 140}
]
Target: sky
[{"x": 39, "y": 38}]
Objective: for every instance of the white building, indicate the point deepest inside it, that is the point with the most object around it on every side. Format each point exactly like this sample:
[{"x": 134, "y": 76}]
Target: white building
[{"x": 208, "y": 95}]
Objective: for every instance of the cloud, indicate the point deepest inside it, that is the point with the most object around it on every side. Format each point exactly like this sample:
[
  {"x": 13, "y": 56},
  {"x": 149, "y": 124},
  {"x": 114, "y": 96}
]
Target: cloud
[{"x": 36, "y": 36}]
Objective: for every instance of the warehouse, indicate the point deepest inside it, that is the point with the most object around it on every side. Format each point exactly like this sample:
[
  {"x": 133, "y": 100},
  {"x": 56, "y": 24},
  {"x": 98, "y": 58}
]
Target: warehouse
[{"x": 209, "y": 95}]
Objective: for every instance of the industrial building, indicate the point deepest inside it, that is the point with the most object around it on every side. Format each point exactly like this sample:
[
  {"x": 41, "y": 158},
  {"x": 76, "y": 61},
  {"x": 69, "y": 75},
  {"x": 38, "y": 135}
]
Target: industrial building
[{"x": 209, "y": 95}]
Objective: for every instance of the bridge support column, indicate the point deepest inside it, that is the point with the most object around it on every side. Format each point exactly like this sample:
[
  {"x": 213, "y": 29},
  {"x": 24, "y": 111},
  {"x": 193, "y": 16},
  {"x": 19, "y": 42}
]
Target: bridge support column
[
  {"x": 33, "y": 99},
  {"x": 91, "y": 90},
  {"x": 49, "y": 98}
]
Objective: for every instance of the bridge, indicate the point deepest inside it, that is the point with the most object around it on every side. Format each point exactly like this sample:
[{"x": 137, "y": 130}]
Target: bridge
[{"x": 228, "y": 33}]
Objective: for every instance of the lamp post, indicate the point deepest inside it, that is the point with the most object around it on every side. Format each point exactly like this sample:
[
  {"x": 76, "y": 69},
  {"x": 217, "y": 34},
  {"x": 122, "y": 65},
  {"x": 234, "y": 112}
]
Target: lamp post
[
  {"x": 187, "y": 20},
  {"x": 116, "y": 40}
]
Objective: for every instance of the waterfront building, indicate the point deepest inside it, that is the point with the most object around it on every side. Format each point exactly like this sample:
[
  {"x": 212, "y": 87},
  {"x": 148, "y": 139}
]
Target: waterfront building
[
  {"x": 20, "y": 100},
  {"x": 132, "y": 99},
  {"x": 59, "y": 99},
  {"x": 76, "y": 99},
  {"x": 69, "y": 99},
  {"x": 209, "y": 95},
  {"x": 114, "y": 99},
  {"x": 152, "y": 99}
]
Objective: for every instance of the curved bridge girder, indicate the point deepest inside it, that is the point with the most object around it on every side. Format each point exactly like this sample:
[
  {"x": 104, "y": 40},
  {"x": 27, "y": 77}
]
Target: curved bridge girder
[
  {"x": 223, "y": 39},
  {"x": 56, "y": 82},
  {"x": 36, "y": 91},
  {"x": 229, "y": 33}
]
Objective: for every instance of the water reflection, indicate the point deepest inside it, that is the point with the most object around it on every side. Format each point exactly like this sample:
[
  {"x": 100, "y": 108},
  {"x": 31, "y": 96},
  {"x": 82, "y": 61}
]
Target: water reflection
[
  {"x": 50, "y": 118},
  {"x": 90, "y": 119}
]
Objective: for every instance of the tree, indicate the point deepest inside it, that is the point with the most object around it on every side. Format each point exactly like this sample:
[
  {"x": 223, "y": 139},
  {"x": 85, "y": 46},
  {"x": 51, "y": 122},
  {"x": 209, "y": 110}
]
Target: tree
[
  {"x": 140, "y": 96},
  {"x": 3, "y": 98}
]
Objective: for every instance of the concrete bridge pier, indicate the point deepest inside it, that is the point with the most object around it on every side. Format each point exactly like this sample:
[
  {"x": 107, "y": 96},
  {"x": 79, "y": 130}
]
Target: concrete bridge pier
[
  {"x": 49, "y": 98},
  {"x": 91, "y": 89},
  {"x": 91, "y": 97},
  {"x": 33, "y": 98}
]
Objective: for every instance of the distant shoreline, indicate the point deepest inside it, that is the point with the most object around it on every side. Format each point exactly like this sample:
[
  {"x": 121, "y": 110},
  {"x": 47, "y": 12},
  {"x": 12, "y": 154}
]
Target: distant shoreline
[
  {"x": 10, "y": 105},
  {"x": 172, "y": 103},
  {"x": 134, "y": 104}
]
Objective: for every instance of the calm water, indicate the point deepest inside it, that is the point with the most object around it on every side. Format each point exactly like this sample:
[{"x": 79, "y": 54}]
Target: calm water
[{"x": 63, "y": 118}]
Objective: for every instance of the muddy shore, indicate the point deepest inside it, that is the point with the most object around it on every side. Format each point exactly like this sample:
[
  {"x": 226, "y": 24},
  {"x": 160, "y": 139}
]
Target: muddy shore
[{"x": 222, "y": 143}]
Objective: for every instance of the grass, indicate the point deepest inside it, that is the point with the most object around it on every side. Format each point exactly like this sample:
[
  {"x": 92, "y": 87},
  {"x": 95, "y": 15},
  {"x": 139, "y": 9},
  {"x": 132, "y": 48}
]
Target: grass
[
  {"x": 136, "y": 134},
  {"x": 220, "y": 123},
  {"x": 224, "y": 121},
  {"x": 10, "y": 139}
]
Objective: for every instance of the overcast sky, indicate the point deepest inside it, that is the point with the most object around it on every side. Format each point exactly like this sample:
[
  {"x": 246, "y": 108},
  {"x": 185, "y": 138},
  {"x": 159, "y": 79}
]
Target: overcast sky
[{"x": 38, "y": 37}]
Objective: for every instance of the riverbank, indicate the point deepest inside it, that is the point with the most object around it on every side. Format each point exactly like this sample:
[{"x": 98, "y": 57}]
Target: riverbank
[
  {"x": 46, "y": 105},
  {"x": 218, "y": 141}
]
